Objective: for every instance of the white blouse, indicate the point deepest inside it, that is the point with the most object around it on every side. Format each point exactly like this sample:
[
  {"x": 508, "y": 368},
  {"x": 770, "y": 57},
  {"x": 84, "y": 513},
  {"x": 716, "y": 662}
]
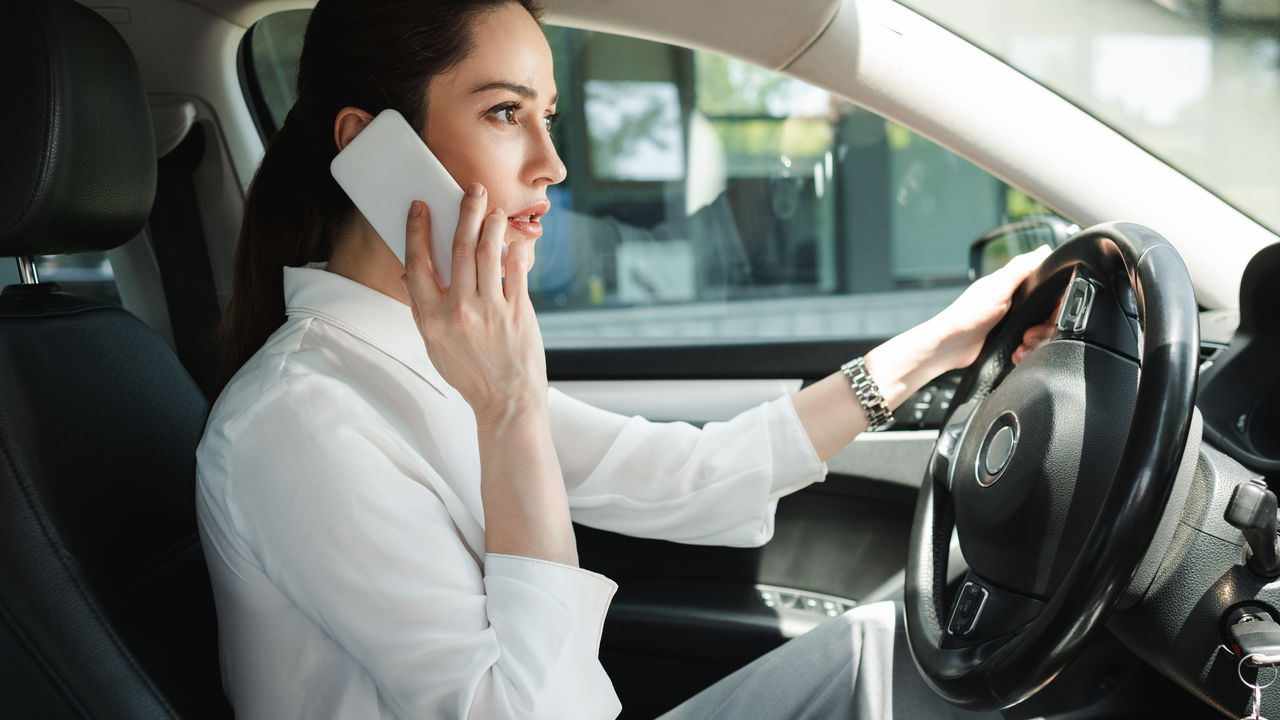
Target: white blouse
[{"x": 339, "y": 505}]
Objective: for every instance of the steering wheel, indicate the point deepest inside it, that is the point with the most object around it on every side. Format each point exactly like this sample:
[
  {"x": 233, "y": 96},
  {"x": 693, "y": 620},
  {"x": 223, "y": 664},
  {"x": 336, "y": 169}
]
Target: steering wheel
[{"x": 1055, "y": 472}]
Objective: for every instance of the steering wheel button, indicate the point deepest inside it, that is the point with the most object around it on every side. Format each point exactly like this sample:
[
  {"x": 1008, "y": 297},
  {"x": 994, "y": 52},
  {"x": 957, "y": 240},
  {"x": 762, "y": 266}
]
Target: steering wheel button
[
  {"x": 968, "y": 607},
  {"x": 1075, "y": 309}
]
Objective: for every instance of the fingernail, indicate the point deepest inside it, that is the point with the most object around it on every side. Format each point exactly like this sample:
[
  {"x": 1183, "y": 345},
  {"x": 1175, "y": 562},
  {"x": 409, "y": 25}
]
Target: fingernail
[
  {"x": 476, "y": 190},
  {"x": 498, "y": 212},
  {"x": 415, "y": 209}
]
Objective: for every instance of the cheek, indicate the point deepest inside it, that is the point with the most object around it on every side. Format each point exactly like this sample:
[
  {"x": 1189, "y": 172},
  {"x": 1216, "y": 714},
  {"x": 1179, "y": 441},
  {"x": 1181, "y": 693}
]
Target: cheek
[
  {"x": 498, "y": 171},
  {"x": 464, "y": 150},
  {"x": 477, "y": 151}
]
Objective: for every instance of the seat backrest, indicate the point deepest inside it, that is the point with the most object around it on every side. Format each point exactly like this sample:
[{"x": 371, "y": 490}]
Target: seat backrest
[{"x": 105, "y": 604}]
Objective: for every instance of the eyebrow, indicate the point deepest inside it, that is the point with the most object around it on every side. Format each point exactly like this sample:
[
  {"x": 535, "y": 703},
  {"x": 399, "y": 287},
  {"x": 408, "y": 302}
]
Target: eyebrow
[{"x": 523, "y": 91}]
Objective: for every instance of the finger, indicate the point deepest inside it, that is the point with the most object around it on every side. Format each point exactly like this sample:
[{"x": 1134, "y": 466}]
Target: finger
[
  {"x": 519, "y": 260},
  {"x": 1042, "y": 330},
  {"x": 420, "y": 273},
  {"x": 1037, "y": 336},
  {"x": 466, "y": 237},
  {"x": 489, "y": 255},
  {"x": 1026, "y": 348}
]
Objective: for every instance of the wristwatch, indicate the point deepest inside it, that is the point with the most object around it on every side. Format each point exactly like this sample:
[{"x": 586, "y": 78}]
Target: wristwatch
[{"x": 868, "y": 392}]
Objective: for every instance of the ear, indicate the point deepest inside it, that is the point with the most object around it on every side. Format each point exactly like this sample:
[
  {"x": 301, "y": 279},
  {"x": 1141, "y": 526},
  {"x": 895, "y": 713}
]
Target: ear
[{"x": 348, "y": 124}]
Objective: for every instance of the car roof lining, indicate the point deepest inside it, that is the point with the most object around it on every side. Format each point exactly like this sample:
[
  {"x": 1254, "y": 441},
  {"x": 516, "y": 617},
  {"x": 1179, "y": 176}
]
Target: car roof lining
[
  {"x": 775, "y": 35},
  {"x": 770, "y": 34}
]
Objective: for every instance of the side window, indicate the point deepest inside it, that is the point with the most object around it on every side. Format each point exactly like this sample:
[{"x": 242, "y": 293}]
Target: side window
[
  {"x": 273, "y": 48},
  {"x": 709, "y": 200}
]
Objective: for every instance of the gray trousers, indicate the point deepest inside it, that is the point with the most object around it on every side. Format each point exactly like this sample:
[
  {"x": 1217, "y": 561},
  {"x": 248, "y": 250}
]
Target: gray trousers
[{"x": 853, "y": 667}]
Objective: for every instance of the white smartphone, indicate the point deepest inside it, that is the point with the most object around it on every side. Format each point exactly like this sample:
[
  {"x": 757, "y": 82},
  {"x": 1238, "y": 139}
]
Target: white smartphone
[{"x": 384, "y": 169}]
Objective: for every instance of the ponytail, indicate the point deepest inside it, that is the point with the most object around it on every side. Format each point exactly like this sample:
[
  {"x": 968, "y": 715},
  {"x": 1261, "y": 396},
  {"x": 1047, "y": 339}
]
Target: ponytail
[
  {"x": 292, "y": 214},
  {"x": 374, "y": 55}
]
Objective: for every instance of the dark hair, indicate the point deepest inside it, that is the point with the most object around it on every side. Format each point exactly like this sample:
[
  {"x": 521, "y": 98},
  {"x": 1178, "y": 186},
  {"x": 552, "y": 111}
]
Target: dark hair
[{"x": 371, "y": 54}]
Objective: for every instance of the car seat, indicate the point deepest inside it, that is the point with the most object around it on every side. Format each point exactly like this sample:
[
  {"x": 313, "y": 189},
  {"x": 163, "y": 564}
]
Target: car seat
[{"x": 105, "y": 604}]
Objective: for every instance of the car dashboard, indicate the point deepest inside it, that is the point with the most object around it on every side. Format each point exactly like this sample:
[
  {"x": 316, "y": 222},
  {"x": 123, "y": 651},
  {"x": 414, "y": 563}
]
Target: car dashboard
[
  {"x": 1205, "y": 580},
  {"x": 1240, "y": 390}
]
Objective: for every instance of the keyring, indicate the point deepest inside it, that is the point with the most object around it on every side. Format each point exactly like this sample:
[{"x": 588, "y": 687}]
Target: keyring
[{"x": 1240, "y": 673}]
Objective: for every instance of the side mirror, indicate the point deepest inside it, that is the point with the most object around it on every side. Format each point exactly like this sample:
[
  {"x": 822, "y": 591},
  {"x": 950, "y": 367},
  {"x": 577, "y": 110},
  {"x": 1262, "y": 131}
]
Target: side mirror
[{"x": 991, "y": 251}]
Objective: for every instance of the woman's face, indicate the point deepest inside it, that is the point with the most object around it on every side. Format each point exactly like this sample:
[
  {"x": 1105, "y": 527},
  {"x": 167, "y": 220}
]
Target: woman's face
[{"x": 488, "y": 118}]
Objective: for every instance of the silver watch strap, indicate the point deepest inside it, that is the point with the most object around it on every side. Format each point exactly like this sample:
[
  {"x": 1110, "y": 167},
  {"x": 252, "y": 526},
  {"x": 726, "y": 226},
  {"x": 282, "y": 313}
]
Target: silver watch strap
[{"x": 869, "y": 395}]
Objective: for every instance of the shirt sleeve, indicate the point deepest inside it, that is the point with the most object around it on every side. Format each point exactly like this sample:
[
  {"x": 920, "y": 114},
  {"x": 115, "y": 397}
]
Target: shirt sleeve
[
  {"x": 340, "y": 515},
  {"x": 714, "y": 485}
]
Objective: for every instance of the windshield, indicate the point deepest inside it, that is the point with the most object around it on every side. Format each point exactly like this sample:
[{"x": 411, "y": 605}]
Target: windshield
[{"x": 1195, "y": 82}]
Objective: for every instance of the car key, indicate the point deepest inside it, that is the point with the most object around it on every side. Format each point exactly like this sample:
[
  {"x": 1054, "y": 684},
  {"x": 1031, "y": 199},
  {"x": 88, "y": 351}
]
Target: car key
[
  {"x": 1257, "y": 688},
  {"x": 1253, "y": 633}
]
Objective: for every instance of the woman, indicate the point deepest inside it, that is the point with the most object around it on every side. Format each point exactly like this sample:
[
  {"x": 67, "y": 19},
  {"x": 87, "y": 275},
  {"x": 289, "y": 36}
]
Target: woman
[{"x": 386, "y": 483}]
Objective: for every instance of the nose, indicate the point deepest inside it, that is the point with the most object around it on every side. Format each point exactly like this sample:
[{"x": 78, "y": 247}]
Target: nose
[{"x": 544, "y": 166}]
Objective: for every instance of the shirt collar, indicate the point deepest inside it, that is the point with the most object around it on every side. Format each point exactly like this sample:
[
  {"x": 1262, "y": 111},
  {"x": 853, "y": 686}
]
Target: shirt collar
[{"x": 377, "y": 319}]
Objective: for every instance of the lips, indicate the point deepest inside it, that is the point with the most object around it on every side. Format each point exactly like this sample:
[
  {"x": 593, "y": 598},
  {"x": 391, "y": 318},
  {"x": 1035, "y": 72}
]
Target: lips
[{"x": 529, "y": 220}]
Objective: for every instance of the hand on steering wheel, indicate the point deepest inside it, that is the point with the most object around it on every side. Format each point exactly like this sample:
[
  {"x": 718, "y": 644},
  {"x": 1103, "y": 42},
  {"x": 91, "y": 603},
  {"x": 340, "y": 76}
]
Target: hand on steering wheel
[{"x": 1054, "y": 473}]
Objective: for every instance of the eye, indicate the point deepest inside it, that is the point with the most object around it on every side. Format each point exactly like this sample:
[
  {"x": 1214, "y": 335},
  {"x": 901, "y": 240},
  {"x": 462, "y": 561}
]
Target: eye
[
  {"x": 550, "y": 120},
  {"x": 506, "y": 113}
]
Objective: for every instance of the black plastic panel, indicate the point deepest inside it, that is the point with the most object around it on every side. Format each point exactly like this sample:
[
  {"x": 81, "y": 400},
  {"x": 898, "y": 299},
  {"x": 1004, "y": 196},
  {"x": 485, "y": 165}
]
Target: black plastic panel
[
  {"x": 805, "y": 360},
  {"x": 1240, "y": 395},
  {"x": 1177, "y": 627}
]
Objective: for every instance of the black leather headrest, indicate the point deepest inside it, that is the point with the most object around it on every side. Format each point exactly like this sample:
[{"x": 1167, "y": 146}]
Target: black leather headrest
[{"x": 79, "y": 170}]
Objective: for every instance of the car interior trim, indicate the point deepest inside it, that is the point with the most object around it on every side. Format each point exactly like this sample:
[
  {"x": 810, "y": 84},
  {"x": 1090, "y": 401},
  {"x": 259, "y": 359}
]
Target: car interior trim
[{"x": 696, "y": 401}]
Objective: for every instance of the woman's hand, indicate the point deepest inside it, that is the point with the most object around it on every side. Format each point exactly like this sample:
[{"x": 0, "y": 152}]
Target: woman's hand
[
  {"x": 830, "y": 412},
  {"x": 963, "y": 326},
  {"x": 482, "y": 336},
  {"x": 480, "y": 333},
  {"x": 1038, "y": 335}
]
